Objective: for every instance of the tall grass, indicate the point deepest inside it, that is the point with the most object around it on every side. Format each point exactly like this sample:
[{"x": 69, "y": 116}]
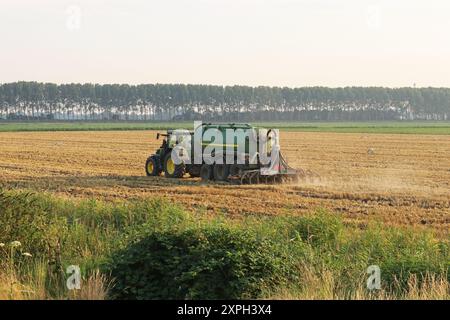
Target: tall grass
[
  {"x": 321, "y": 257},
  {"x": 32, "y": 283},
  {"x": 323, "y": 284}
]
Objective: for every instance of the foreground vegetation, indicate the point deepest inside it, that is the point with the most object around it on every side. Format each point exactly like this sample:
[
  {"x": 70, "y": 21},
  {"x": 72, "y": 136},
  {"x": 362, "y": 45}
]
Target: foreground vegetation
[
  {"x": 150, "y": 249},
  {"x": 388, "y": 127}
]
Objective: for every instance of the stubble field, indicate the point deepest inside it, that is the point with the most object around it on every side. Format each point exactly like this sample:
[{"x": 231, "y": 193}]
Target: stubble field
[{"x": 392, "y": 178}]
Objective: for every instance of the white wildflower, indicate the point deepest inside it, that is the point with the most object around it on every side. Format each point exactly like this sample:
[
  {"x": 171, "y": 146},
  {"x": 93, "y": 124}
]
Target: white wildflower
[
  {"x": 2, "y": 244},
  {"x": 15, "y": 244}
]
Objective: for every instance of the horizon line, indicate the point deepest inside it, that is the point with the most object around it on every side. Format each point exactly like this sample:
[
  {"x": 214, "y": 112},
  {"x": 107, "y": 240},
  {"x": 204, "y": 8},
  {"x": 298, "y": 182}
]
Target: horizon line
[{"x": 223, "y": 85}]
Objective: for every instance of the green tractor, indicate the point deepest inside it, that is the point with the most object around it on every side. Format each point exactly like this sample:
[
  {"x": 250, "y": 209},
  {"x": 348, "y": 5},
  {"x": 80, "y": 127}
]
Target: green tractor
[
  {"x": 246, "y": 172},
  {"x": 162, "y": 161}
]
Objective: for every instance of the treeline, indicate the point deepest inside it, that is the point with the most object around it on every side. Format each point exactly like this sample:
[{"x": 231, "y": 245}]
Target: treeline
[{"x": 156, "y": 102}]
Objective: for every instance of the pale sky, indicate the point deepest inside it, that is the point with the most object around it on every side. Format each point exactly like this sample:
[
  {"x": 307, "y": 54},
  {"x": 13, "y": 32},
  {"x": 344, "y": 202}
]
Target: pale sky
[{"x": 249, "y": 42}]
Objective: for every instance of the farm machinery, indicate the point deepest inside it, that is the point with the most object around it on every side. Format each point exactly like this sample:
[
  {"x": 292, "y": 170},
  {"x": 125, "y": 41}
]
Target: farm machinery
[{"x": 236, "y": 155}]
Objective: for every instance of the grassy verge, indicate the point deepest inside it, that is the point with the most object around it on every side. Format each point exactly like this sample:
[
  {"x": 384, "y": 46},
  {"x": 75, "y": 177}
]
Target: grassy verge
[
  {"x": 155, "y": 249},
  {"x": 391, "y": 127}
]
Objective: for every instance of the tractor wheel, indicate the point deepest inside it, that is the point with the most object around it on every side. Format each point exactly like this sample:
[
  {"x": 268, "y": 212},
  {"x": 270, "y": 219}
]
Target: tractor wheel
[
  {"x": 172, "y": 170},
  {"x": 221, "y": 172},
  {"x": 153, "y": 166},
  {"x": 206, "y": 172}
]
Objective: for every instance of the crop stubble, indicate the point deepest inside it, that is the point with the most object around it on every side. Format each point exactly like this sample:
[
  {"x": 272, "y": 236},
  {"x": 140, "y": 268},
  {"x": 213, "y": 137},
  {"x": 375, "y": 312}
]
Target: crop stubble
[{"x": 396, "y": 179}]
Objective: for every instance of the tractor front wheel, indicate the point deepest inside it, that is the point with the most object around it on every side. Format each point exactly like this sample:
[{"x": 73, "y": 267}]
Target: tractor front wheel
[{"x": 172, "y": 170}]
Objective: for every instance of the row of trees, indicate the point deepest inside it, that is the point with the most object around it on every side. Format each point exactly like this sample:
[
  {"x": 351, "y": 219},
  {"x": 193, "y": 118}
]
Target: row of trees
[{"x": 155, "y": 102}]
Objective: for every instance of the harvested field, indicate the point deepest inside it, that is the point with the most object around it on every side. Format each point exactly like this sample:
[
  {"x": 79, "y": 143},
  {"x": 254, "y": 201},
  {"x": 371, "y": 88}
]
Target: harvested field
[{"x": 397, "y": 179}]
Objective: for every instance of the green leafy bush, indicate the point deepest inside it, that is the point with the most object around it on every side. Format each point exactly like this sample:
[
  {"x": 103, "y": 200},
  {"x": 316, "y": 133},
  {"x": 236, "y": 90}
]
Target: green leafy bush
[{"x": 215, "y": 262}]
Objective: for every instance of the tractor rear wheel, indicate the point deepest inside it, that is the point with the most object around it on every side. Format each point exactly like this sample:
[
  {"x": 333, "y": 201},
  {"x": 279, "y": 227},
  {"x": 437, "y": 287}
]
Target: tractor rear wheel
[
  {"x": 172, "y": 170},
  {"x": 221, "y": 172},
  {"x": 206, "y": 172},
  {"x": 153, "y": 166}
]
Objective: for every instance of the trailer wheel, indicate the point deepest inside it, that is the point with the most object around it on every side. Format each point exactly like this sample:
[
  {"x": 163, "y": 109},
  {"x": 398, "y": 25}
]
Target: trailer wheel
[
  {"x": 194, "y": 171},
  {"x": 153, "y": 166},
  {"x": 221, "y": 172},
  {"x": 206, "y": 172},
  {"x": 172, "y": 170},
  {"x": 235, "y": 170}
]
